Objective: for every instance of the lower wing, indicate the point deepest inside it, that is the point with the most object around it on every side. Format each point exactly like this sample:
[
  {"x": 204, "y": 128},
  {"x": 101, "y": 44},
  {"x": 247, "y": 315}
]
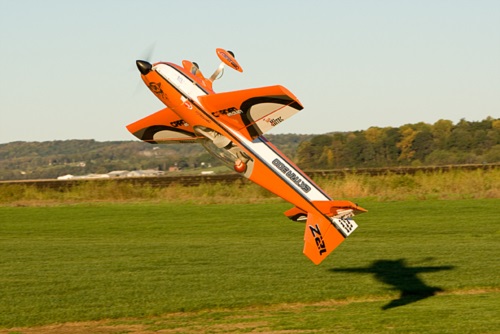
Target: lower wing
[{"x": 163, "y": 127}]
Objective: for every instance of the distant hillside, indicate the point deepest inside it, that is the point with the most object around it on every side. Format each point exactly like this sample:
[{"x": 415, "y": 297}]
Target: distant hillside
[
  {"x": 40, "y": 160},
  {"x": 441, "y": 143}
]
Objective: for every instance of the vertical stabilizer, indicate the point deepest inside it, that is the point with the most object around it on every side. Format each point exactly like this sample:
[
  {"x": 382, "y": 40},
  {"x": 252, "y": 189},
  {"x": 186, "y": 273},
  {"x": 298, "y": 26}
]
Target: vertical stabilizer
[{"x": 321, "y": 236}]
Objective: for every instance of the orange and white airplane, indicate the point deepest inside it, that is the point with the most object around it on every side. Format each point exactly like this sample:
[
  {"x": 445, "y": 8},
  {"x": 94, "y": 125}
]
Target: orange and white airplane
[{"x": 231, "y": 125}]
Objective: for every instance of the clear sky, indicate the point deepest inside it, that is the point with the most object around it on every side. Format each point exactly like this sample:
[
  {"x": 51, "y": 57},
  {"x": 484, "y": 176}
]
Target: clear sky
[{"x": 67, "y": 68}]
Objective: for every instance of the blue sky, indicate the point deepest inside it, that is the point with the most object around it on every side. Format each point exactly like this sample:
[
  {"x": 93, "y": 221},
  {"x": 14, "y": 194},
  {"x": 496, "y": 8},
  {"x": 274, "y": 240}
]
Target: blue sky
[{"x": 67, "y": 68}]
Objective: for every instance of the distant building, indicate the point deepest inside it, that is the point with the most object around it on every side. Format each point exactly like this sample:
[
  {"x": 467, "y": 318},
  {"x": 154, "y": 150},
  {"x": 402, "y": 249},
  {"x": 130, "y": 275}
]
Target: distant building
[
  {"x": 119, "y": 173},
  {"x": 144, "y": 173},
  {"x": 114, "y": 174}
]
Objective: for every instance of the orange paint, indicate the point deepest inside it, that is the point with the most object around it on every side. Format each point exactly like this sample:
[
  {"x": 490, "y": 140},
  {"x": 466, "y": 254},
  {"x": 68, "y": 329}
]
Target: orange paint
[{"x": 230, "y": 125}]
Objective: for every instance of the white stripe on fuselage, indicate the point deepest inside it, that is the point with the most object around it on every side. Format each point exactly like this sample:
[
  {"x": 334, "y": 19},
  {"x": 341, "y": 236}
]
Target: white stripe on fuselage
[
  {"x": 282, "y": 168},
  {"x": 258, "y": 147},
  {"x": 182, "y": 83}
]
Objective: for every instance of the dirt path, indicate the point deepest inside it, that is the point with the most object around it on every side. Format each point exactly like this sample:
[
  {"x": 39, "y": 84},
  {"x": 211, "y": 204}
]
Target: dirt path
[{"x": 249, "y": 319}]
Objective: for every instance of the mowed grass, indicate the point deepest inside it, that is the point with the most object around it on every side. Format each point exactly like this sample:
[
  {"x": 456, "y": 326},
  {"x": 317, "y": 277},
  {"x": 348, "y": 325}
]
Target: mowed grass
[{"x": 412, "y": 266}]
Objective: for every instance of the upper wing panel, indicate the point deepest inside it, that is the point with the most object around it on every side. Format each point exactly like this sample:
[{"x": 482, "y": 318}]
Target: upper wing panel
[
  {"x": 253, "y": 111},
  {"x": 163, "y": 127}
]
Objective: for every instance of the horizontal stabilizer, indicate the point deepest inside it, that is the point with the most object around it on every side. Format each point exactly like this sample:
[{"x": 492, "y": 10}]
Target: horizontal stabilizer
[
  {"x": 334, "y": 208},
  {"x": 163, "y": 127}
]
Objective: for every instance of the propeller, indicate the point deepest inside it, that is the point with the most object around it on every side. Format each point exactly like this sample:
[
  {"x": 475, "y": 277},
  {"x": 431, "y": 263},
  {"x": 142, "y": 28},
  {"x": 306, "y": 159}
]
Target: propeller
[
  {"x": 142, "y": 64},
  {"x": 148, "y": 55}
]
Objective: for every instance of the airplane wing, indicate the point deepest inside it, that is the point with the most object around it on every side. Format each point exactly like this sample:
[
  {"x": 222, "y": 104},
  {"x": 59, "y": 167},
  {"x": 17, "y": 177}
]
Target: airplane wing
[
  {"x": 163, "y": 127},
  {"x": 252, "y": 111}
]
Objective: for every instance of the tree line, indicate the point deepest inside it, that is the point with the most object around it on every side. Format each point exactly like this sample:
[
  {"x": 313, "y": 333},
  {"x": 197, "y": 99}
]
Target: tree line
[{"x": 441, "y": 143}]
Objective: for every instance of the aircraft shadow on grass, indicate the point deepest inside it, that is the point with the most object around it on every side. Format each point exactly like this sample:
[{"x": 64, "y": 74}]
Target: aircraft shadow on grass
[{"x": 400, "y": 277}]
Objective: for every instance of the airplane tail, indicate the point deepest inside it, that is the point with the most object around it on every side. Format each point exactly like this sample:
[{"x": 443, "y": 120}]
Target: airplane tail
[
  {"x": 323, "y": 234},
  {"x": 326, "y": 227}
]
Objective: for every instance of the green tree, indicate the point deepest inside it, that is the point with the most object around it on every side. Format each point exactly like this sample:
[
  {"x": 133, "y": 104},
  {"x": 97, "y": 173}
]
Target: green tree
[
  {"x": 441, "y": 131},
  {"x": 423, "y": 144},
  {"x": 357, "y": 151},
  {"x": 390, "y": 150},
  {"x": 305, "y": 155},
  {"x": 493, "y": 155},
  {"x": 310, "y": 154}
]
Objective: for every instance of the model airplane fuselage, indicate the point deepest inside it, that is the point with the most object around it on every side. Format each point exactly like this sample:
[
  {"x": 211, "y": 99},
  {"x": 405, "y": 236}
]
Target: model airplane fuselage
[{"x": 230, "y": 125}]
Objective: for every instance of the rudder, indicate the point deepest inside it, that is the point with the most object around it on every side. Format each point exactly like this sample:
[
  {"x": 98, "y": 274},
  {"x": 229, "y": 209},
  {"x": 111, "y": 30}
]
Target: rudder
[{"x": 320, "y": 237}]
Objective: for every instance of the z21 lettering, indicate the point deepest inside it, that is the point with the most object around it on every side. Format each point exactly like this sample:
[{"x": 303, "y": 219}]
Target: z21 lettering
[{"x": 318, "y": 238}]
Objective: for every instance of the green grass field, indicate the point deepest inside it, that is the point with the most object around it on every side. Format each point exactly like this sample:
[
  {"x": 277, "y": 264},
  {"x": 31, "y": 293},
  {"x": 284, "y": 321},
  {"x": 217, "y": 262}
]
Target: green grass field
[{"x": 412, "y": 267}]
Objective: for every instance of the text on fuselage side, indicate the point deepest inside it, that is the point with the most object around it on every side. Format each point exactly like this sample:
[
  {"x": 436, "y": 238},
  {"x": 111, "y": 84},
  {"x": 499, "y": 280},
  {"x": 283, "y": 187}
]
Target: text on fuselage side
[
  {"x": 228, "y": 112},
  {"x": 291, "y": 175},
  {"x": 176, "y": 124}
]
